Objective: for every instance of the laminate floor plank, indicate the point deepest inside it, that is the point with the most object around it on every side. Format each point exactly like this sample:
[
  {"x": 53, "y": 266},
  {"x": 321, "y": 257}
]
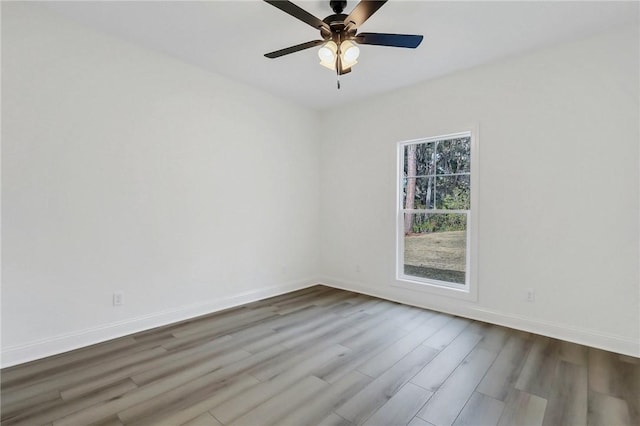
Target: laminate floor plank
[
  {"x": 409, "y": 318},
  {"x": 335, "y": 331},
  {"x": 180, "y": 344},
  {"x": 380, "y": 390},
  {"x": 205, "y": 419},
  {"x": 345, "y": 307},
  {"x": 307, "y": 326},
  {"x": 361, "y": 351},
  {"x": 185, "y": 402},
  {"x": 62, "y": 379},
  {"x": 312, "y": 343},
  {"x": 606, "y": 410},
  {"x": 102, "y": 360},
  {"x": 448, "y": 401},
  {"x": 610, "y": 375},
  {"x": 106, "y": 375},
  {"x": 317, "y": 409},
  {"x": 43, "y": 413},
  {"x": 432, "y": 376},
  {"x": 567, "y": 402},
  {"x": 367, "y": 305},
  {"x": 523, "y": 409},
  {"x": 334, "y": 420},
  {"x": 367, "y": 321},
  {"x": 207, "y": 320},
  {"x": 10, "y": 408},
  {"x": 284, "y": 321},
  {"x": 111, "y": 421},
  {"x": 493, "y": 336},
  {"x": 501, "y": 377},
  {"x": 401, "y": 407},
  {"x": 573, "y": 353},
  {"x": 384, "y": 360},
  {"x": 240, "y": 405},
  {"x": 366, "y": 338},
  {"x": 157, "y": 367},
  {"x": 229, "y": 375},
  {"x": 272, "y": 410},
  {"x": 229, "y": 322},
  {"x": 210, "y": 331},
  {"x": 324, "y": 299},
  {"x": 45, "y": 367},
  {"x": 322, "y": 356},
  {"x": 335, "y": 298},
  {"x": 447, "y": 333},
  {"x": 417, "y": 421},
  {"x": 401, "y": 316},
  {"x": 180, "y": 360},
  {"x": 101, "y": 411},
  {"x": 283, "y": 362},
  {"x": 480, "y": 410},
  {"x": 302, "y": 300},
  {"x": 538, "y": 372}
]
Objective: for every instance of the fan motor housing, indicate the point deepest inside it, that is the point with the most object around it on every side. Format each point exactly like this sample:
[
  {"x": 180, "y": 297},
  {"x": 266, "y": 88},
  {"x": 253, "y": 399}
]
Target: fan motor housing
[{"x": 336, "y": 23}]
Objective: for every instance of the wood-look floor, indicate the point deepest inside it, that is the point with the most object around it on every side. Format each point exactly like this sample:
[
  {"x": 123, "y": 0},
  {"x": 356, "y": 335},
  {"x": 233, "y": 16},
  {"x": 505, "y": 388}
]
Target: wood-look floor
[{"x": 322, "y": 356}]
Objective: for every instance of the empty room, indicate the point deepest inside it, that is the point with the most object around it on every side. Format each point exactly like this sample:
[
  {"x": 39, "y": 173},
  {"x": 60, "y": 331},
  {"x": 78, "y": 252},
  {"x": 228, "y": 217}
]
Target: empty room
[{"x": 258, "y": 213}]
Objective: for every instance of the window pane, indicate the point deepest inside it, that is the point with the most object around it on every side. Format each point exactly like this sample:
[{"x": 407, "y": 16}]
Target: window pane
[
  {"x": 419, "y": 159},
  {"x": 454, "y": 156},
  {"x": 453, "y": 192},
  {"x": 422, "y": 190},
  {"x": 435, "y": 246}
]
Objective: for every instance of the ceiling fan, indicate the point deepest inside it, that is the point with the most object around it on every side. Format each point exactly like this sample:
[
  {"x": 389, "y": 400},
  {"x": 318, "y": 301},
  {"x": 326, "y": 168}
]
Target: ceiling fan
[{"x": 339, "y": 32}]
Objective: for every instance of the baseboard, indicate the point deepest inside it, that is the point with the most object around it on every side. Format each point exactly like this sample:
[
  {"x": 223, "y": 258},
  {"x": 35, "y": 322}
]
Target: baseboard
[
  {"x": 31, "y": 351},
  {"x": 613, "y": 343}
]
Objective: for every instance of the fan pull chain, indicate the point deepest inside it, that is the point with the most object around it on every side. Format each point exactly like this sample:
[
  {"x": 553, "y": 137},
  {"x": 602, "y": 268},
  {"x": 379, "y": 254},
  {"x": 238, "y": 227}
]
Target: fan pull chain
[{"x": 338, "y": 61}]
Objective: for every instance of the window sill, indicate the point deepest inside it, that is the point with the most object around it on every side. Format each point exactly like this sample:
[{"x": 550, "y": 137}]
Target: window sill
[{"x": 468, "y": 293}]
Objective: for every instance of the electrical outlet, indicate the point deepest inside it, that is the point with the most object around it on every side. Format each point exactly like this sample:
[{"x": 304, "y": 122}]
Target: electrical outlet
[
  {"x": 531, "y": 295},
  {"x": 117, "y": 298}
]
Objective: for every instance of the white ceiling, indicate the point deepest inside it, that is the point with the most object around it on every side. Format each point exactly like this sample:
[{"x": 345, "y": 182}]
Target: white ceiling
[{"x": 230, "y": 38}]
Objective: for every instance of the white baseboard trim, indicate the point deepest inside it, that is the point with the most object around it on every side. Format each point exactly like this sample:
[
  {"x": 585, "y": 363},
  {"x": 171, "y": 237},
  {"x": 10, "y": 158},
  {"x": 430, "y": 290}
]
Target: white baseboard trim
[
  {"x": 37, "y": 349},
  {"x": 613, "y": 343}
]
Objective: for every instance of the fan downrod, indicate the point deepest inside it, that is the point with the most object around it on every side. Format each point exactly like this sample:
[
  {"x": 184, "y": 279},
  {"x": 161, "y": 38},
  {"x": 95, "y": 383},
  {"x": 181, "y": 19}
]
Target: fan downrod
[{"x": 338, "y": 6}]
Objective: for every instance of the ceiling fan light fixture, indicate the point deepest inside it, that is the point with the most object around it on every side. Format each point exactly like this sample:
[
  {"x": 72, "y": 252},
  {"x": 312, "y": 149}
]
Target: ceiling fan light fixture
[
  {"x": 339, "y": 32},
  {"x": 350, "y": 53},
  {"x": 327, "y": 55}
]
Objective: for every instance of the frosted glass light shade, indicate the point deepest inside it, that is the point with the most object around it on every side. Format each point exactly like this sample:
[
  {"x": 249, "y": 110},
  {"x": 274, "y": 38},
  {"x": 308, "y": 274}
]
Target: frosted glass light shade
[
  {"x": 327, "y": 55},
  {"x": 350, "y": 53}
]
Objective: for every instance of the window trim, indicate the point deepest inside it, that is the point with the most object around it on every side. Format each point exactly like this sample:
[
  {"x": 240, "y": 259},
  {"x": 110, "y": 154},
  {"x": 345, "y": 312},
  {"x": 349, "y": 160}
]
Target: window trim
[{"x": 468, "y": 291}]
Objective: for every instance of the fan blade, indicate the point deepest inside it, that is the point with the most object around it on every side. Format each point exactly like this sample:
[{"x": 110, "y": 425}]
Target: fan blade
[
  {"x": 361, "y": 13},
  {"x": 294, "y": 49},
  {"x": 394, "y": 40},
  {"x": 299, "y": 13}
]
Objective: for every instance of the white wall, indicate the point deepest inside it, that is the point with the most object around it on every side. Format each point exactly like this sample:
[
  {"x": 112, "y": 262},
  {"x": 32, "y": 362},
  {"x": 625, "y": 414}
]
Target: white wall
[
  {"x": 123, "y": 169},
  {"x": 558, "y": 212}
]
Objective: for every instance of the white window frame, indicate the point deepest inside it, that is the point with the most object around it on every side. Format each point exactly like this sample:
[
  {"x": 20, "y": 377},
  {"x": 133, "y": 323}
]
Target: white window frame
[{"x": 469, "y": 290}]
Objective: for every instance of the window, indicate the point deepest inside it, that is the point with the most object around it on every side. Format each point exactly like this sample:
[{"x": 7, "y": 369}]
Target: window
[{"x": 435, "y": 211}]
